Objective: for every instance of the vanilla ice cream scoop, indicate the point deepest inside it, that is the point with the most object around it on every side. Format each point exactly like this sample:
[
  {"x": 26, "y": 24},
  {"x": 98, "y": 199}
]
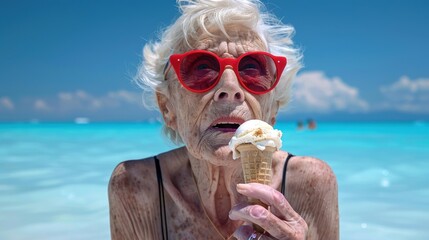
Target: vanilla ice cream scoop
[{"x": 258, "y": 133}]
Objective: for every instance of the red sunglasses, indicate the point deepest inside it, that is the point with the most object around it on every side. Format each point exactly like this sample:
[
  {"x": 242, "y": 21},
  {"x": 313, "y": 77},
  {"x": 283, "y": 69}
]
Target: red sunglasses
[{"x": 199, "y": 70}]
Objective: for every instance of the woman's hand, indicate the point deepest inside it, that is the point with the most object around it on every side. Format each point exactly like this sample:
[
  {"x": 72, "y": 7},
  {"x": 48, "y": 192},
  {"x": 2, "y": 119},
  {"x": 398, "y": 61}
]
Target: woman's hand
[{"x": 280, "y": 222}]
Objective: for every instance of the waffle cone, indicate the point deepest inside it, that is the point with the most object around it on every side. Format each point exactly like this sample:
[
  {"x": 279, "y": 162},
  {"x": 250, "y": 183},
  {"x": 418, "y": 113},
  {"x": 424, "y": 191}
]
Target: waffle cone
[
  {"x": 256, "y": 169},
  {"x": 256, "y": 163}
]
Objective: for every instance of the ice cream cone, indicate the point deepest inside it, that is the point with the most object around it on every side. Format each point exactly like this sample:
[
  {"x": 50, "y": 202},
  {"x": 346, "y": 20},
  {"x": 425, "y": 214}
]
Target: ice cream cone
[
  {"x": 256, "y": 163},
  {"x": 256, "y": 169},
  {"x": 254, "y": 143}
]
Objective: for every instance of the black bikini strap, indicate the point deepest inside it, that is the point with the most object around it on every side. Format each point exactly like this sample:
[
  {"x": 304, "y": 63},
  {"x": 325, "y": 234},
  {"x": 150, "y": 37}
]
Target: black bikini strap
[
  {"x": 283, "y": 189},
  {"x": 161, "y": 199}
]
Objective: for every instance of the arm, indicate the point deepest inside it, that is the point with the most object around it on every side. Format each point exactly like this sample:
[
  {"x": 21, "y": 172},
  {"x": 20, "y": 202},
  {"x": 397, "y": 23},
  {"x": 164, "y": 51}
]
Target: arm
[
  {"x": 133, "y": 201},
  {"x": 317, "y": 197}
]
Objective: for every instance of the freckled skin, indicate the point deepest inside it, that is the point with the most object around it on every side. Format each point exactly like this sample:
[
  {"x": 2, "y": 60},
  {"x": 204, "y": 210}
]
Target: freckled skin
[{"x": 133, "y": 189}]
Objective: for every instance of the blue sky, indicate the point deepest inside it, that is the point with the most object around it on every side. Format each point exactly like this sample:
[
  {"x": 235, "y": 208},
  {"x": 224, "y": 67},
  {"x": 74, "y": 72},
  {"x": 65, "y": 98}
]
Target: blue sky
[{"x": 62, "y": 59}]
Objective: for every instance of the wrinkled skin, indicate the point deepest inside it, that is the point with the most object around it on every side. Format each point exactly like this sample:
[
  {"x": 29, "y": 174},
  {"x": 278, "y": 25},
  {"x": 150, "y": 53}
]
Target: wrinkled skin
[
  {"x": 216, "y": 204},
  {"x": 228, "y": 99}
]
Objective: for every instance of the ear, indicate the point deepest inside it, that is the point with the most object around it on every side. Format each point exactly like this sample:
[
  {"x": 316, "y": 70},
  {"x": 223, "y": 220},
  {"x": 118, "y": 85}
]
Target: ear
[
  {"x": 274, "y": 112},
  {"x": 167, "y": 110}
]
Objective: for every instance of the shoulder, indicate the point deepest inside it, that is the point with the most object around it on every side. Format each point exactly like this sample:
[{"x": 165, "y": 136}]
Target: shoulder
[
  {"x": 304, "y": 171},
  {"x": 140, "y": 176},
  {"x": 311, "y": 175},
  {"x": 311, "y": 168},
  {"x": 132, "y": 177}
]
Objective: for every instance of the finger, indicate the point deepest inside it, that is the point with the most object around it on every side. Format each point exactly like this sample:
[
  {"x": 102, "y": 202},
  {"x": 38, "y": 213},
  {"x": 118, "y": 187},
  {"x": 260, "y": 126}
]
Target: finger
[
  {"x": 275, "y": 226},
  {"x": 268, "y": 195}
]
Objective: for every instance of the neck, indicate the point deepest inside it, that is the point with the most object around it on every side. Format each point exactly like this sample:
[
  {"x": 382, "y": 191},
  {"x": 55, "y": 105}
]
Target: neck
[{"x": 217, "y": 188}]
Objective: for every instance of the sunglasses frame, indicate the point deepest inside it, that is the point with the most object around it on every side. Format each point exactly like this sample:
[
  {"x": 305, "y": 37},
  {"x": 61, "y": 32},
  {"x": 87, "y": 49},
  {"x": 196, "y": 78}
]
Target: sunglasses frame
[{"x": 176, "y": 60}]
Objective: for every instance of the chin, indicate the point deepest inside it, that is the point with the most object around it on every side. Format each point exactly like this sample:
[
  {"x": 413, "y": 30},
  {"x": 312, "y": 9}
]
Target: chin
[
  {"x": 214, "y": 149},
  {"x": 222, "y": 155}
]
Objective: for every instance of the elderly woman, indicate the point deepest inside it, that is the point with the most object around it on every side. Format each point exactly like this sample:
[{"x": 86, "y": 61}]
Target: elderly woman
[{"x": 221, "y": 63}]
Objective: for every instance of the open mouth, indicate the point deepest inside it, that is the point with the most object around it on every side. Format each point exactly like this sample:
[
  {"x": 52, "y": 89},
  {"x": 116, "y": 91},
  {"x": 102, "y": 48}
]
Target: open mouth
[{"x": 227, "y": 124}]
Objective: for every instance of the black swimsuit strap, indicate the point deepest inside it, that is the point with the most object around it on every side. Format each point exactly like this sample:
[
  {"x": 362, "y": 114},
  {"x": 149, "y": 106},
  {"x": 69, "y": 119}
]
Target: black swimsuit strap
[
  {"x": 161, "y": 199},
  {"x": 283, "y": 189}
]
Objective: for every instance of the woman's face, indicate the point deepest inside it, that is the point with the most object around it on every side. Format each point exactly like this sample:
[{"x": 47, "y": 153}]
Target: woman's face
[{"x": 207, "y": 121}]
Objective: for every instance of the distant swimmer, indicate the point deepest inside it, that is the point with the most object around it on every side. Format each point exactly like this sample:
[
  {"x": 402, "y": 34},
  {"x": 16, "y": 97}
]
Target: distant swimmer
[
  {"x": 311, "y": 124},
  {"x": 300, "y": 125}
]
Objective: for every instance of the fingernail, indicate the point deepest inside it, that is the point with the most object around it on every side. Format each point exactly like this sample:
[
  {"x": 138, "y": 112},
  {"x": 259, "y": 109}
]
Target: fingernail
[
  {"x": 241, "y": 187},
  {"x": 258, "y": 212},
  {"x": 231, "y": 215}
]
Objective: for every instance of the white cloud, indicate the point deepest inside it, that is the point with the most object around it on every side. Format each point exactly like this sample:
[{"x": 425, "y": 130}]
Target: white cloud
[
  {"x": 314, "y": 91},
  {"x": 113, "y": 105},
  {"x": 407, "y": 95},
  {"x": 41, "y": 105},
  {"x": 126, "y": 96},
  {"x": 406, "y": 85},
  {"x": 83, "y": 100},
  {"x": 6, "y": 103},
  {"x": 77, "y": 100}
]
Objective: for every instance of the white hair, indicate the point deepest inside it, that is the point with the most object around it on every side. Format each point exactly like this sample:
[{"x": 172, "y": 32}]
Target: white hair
[{"x": 201, "y": 16}]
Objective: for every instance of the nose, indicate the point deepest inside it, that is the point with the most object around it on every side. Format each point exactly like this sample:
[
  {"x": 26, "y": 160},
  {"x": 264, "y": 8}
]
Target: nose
[{"x": 229, "y": 88}]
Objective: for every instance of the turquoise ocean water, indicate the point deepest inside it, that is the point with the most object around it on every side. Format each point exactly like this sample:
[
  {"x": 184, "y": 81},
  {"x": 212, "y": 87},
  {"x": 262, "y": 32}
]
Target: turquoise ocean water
[{"x": 53, "y": 177}]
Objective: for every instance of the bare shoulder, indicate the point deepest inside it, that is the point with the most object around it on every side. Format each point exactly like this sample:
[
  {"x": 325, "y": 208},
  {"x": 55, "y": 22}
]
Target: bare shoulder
[
  {"x": 311, "y": 171},
  {"x": 133, "y": 176},
  {"x": 139, "y": 177},
  {"x": 311, "y": 179}
]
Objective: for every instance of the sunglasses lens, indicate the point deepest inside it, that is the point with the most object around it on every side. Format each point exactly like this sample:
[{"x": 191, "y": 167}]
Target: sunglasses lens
[
  {"x": 199, "y": 71},
  {"x": 258, "y": 72}
]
